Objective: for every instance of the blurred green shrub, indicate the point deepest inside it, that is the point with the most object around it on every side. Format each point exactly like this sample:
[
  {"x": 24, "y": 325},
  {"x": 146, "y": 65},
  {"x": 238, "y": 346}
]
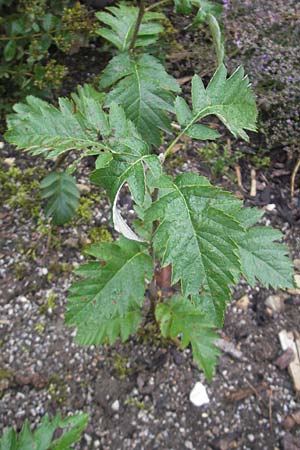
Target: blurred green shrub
[{"x": 31, "y": 32}]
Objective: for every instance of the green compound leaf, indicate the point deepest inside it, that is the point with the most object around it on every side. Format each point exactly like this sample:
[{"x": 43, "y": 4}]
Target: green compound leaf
[
  {"x": 122, "y": 19},
  {"x": 265, "y": 260},
  {"x": 42, "y": 438},
  {"x": 107, "y": 302},
  {"x": 131, "y": 159},
  {"x": 196, "y": 237},
  {"x": 178, "y": 316},
  {"x": 231, "y": 100},
  {"x": 145, "y": 91},
  {"x": 40, "y": 128},
  {"x": 262, "y": 259},
  {"x": 63, "y": 196}
]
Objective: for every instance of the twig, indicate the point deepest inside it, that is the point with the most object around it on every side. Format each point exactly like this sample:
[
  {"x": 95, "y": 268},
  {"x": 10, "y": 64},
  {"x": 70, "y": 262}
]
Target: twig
[
  {"x": 153, "y": 286},
  {"x": 294, "y": 173},
  {"x": 253, "y": 183},
  {"x": 239, "y": 176},
  {"x": 229, "y": 347},
  {"x": 253, "y": 389},
  {"x": 241, "y": 394},
  {"x": 184, "y": 80},
  {"x": 60, "y": 159},
  {"x": 137, "y": 25},
  {"x": 155, "y": 5},
  {"x": 177, "y": 342}
]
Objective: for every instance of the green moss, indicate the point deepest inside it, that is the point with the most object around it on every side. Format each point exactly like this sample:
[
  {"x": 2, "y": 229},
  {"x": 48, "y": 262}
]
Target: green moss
[
  {"x": 120, "y": 365},
  {"x": 100, "y": 234},
  {"x": 51, "y": 301},
  {"x": 20, "y": 271},
  {"x": 150, "y": 334},
  {"x": 171, "y": 36},
  {"x": 135, "y": 402},
  {"x": 84, "y": 384},
  {"x": 46, "y": 229},
  {"x": 6, "y": 374},
  {"x": 175, "y": 161},
  {"x": 260, "y": 160},
  {"x": 20, "y": 190},
  {"x": 84, "y": 211},
  {"x": 86, "y": 205},
  {"x": 50, "y": 304},
  {"x": 39, "y": 327},
  {"x": 56, "y": 269},
  {"x": 57, "y": 389}
]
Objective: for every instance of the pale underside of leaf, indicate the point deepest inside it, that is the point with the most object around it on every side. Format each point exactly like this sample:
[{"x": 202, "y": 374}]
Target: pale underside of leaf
[{"x": 119, "y": 223}]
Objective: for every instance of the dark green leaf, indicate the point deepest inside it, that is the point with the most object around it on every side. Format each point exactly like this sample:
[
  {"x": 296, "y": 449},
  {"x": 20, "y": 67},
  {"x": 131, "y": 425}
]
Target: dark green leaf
[
  {"x": 231, "y": 100},
  {"x": 130, "y": 162},
  {"x": 264, "y": 260},
  {"x": 121, "y": 21},
  {"x": 62, "y": 193},
  {"x": 177, "y": 316},
  {"x": 196, "y": 237},
  {"x": 42, "y": 437},
  {"x": 40, "y": 128},
  {"x": 145, "y": 91},
  {"x": 50, "y": 21},
  {"x": 10, "y": 50},
  {"x": 107, "y": 302}
]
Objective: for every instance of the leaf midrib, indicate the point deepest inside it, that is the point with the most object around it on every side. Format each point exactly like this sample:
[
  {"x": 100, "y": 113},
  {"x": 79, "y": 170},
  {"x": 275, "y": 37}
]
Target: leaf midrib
[
  {"x": 192, "y": 226},
  {"x": 87, "y": 304}
]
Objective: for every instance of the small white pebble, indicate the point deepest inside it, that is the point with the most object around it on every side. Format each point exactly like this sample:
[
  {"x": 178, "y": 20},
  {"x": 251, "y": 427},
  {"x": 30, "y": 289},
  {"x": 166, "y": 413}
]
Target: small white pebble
[
  {"x": 198, "y": 395},
  {"x": 251, "y": 437},
  {"x": 116, "y": 405},
  {"x": 88, "y": 438},
  {"x": 270, "y": 207}
]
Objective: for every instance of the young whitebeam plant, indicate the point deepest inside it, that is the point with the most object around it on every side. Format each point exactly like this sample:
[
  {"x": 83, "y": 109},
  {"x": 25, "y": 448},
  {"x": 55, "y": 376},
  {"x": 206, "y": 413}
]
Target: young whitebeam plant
[{"x": 202, "y": 232}]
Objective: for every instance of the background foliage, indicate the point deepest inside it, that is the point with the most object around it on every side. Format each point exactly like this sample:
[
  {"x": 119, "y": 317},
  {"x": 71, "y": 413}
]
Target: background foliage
[{"x": 32, "y": 33}]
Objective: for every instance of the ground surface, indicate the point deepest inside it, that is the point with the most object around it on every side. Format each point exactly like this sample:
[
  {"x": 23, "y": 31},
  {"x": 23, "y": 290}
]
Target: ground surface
[{"x": 137, "y": 394}]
